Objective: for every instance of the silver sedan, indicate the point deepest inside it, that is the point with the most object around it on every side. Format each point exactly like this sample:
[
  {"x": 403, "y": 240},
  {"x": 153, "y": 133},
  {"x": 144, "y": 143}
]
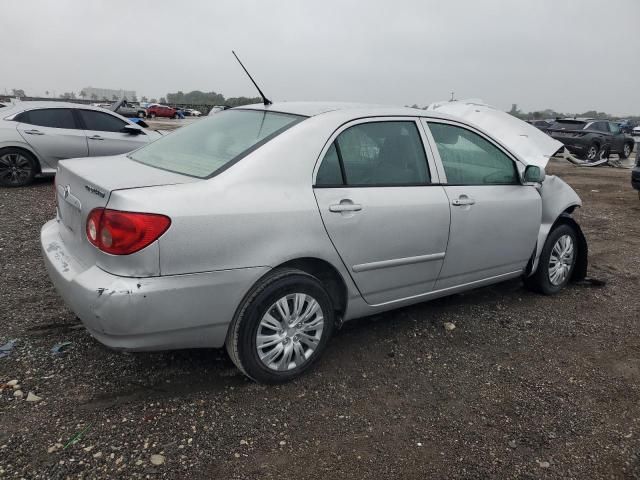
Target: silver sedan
[
  {"x": 34, "y": 136},
  {"x": 263, "y": 228}
]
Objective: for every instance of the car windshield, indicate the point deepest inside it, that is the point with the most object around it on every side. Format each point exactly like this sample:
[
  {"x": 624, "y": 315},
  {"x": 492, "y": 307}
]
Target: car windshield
[{"x": 204, "y": 148}]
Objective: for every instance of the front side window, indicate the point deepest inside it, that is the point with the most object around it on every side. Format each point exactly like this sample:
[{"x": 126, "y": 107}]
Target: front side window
[
  {"x": 469, "y": 159},
  {"x": 376, "y": 154},
  {"x": 614, "y": 128},
  {"x": 49, "y": 117},
  {"x": 204, "y": 148},
  {"x": 101, "y": 122}
]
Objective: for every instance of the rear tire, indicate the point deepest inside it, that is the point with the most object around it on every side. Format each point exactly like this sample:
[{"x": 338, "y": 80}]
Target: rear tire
[
  {"x": 555, "y": 266},
  {"x": 626, "y": 151},
  {"x": 17, "y": 167},
  {"x": 271, "y": 346},
  {"x": 141, "y": 115},
  {"x": 152, "y": 115}
]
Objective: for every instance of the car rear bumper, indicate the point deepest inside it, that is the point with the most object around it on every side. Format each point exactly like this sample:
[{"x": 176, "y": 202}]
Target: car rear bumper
[{"x": 152, "y": 313}]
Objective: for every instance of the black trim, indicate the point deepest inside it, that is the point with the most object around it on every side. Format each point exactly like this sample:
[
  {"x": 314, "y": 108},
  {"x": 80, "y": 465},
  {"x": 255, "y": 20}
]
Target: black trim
[{"x": 340, "y": 161}]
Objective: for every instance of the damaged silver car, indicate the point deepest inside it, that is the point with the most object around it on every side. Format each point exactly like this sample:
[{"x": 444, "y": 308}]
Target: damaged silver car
[{"x": 263, "y": 228}]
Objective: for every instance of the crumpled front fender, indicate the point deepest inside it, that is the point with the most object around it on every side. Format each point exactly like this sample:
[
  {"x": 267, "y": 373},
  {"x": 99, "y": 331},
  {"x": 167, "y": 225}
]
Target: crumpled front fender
[{"x": 558, "y": 201}]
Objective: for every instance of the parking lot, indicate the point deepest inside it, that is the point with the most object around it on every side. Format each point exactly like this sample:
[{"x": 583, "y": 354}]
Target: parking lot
[{"x": 525, "y": 386}]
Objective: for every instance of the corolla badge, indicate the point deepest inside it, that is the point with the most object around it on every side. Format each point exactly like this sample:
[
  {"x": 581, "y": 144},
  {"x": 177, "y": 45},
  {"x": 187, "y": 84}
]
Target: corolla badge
[{"x": 95, "y": 191}]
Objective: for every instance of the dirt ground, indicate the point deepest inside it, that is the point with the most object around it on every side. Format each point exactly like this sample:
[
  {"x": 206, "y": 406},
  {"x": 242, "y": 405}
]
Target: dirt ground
[{"x": 526, "y": 386}]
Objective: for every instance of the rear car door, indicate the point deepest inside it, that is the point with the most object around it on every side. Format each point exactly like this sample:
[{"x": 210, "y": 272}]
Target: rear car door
[
  {"x": 53, "y": 133},
  {"x": 617, "y": 137},
  {"x": 494, "y": 218},
  {"x": 105, "y": 135},
  {"x": 382, "y": 207}
]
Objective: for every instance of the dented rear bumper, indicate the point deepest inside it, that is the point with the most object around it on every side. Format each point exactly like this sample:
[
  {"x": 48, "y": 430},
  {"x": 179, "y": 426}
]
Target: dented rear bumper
[{"x": 151, "y": 313}]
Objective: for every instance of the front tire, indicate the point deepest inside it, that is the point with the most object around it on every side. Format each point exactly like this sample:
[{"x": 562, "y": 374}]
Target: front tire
[
  {"x": 557, "y": 261},
  {"x": 17, "y": 167},
  {"x": 626, "y": 150},
  {"x": 591, "y": 155},
  {"x": 281, "y": 327}
]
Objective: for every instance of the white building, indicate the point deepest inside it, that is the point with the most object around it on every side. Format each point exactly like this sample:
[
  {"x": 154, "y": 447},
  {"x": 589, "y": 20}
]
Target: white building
[{"x": 92, "y": 93}]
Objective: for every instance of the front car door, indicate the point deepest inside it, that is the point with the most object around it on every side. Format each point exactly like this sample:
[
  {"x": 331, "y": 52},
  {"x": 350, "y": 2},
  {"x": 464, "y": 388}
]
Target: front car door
[
  {"x": 105, "y": 135},
  {"x": 381, "y": 206},
  {"x": 53, "y": 133},
  {"x": 495, "y": 219}
]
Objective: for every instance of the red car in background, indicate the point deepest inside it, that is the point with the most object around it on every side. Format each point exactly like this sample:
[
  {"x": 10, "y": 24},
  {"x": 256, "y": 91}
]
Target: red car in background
[{"x": 154, "y": 111}]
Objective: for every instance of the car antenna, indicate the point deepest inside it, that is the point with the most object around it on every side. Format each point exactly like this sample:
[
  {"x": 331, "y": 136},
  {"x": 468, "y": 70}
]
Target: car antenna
[{"x": 265, "y": 100}]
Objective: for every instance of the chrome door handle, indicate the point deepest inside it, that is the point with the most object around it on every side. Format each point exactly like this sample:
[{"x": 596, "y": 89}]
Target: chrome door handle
[
  {"x": 345, "y": 207},
  {"x": 96, "y": 137},
  {"x": 463, "y": 200},
  {"x": 34, "y": 132}
]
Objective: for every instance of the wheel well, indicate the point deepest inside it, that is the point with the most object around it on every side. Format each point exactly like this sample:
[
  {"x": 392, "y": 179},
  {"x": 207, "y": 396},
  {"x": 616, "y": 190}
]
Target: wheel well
[
  {"x": 29, "y": 153},
  {"x": 582, "y": 262},
  {"x": 327, "y": 274}
]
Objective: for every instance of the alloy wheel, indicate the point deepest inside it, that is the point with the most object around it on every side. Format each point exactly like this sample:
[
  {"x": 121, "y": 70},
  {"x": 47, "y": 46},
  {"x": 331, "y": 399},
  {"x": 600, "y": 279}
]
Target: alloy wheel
[
  {"x": 289, "y": 332},
  {"x": 15, "y": 168},
  {"x": 561, "y": 260},
  {"x": 592, "y": 152},
  {"x": 627, "y": 150}
]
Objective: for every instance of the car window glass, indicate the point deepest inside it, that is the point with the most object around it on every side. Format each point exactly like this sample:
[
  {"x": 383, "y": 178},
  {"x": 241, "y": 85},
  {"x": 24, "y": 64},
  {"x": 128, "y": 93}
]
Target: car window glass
[
  {"x": 329, "y": 172},
  {"x": 469, "y": 159},
  {"x": 52, "y": 117},
  {"x": 614, "y": 128},
  {"x": 383, "y": 153},
  {"x": 102, "y": 122}
]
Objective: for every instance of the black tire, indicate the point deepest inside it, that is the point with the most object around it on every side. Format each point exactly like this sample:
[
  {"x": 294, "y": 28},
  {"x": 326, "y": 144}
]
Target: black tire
[
  {"x": 626, "y": 150},
  {"x": 17, "y": 167},
  {"x": 141, "y": 114},
  {"x": 540, "y": 281},
  {"x": 152, "y": 115},
  {"x": 241, "y": 340},
  {"x": 591, "y": 153}
]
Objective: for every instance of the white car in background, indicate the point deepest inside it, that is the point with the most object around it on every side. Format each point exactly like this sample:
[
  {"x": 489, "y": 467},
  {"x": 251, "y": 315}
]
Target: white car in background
[{"x": 34, "y": 136}]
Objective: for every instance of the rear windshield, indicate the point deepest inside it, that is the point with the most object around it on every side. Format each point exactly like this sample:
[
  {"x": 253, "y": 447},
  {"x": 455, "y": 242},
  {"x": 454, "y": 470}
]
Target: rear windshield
[
  {"x": 569, "y": 125},
  {"x": 209, "y": 145}
]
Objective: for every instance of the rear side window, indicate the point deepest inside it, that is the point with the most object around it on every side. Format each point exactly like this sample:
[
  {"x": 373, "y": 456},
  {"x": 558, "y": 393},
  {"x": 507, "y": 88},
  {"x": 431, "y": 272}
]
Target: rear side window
[
  {"x": 568, "y": 125},
  {"x": 49, "y": 117},
  {"x": 100, "y": 121},
  {"x": 469, "y": 159},
  {"x": 204, "y": 148},
  {"x": 376, "y": 154}
]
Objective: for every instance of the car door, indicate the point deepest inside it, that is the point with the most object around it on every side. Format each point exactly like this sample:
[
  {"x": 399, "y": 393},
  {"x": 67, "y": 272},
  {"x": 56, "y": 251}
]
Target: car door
[
  {"x": 383, "y": 209},
  {"x": 53, "y": 133},
  {"x": 105, "y": 134},
  {"x": 494, "y": 218},
  {"x": 617, "y": 137}
]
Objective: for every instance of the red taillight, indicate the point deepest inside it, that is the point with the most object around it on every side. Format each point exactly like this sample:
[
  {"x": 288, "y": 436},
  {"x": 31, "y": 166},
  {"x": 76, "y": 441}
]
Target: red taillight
[{"x": 122, "y": 233}]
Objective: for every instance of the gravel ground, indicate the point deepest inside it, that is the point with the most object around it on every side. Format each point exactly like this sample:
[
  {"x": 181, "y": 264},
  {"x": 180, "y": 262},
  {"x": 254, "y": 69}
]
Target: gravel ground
[{"x": 526, "y": 386}]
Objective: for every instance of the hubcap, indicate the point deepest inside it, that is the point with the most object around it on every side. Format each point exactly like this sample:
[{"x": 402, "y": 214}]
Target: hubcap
[
  {"x": 289, "y": 332},
  {"x": 627, "y": 150},
  {"x": 591, "y": 154},
  {"x": 14, "y": 168},
  {"x": 561, "y": 260}
]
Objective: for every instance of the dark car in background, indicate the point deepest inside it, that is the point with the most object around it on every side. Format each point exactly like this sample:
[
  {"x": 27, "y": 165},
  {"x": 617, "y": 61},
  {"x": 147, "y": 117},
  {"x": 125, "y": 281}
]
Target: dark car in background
[
  {"x": 591, "y": 139},
  {"x": 540, "y": 124},
  {"x": 128, "y": 109},
  {"x": 635, "y": 175}
]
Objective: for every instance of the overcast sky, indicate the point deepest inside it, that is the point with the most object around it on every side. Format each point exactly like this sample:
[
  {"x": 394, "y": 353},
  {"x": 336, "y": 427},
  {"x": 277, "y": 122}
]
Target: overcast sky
[{"x": 570, "y": 55}]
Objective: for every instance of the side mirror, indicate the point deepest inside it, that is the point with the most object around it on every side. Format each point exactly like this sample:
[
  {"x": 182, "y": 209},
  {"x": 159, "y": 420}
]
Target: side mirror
[
  {"x": 533, "y": 174},
  {"x": 132, "y": 129}
]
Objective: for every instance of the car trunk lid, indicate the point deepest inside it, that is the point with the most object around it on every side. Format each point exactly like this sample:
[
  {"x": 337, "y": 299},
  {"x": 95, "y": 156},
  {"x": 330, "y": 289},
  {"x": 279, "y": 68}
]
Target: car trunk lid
[{"x": 87, "y": 183}]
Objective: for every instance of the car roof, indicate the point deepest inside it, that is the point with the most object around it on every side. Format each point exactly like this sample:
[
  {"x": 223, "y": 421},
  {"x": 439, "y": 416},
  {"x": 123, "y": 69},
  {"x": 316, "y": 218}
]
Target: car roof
[
  {"x": 311, "y": 109},
  {"x": 31, "y": 105}
]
